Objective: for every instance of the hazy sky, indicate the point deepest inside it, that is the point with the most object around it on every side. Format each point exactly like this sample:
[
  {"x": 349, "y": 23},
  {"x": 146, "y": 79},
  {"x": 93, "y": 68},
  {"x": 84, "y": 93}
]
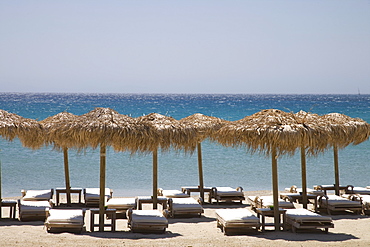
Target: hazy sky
[{"x": 260, "y": 46}]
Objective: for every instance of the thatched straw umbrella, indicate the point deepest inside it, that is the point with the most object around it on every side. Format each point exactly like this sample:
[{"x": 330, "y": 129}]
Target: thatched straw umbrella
[
  {"x": 346, "y": 131},
  {"x": 272, "y": 132},
  {"x": 204, "y": 126},
  {"x": 318, "y": 141},
  {"x": 51, "y": 126},
  {"x": 28, "y": 131},
  {"x": 165, "y": 132},
  {"x": 100, "y": 127}
]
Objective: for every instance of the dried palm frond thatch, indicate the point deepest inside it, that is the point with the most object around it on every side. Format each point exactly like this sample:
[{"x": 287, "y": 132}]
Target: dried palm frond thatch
[
  {"x": 165, "y": 132},
  {"x": 28, "y": 131},
  {"x": 205, "y": 126}
]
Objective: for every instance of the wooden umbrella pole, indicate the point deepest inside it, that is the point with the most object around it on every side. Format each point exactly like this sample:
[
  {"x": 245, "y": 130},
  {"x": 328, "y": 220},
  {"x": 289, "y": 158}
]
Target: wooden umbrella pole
[
  {"x": 102, "y": 187},
  {"x": 200, "y": 169},
  {"x": 275, "y": 189},
  {"x": 155, "y": 177},
  {"x": 66, "y": 174},
  {"x": 336, "y": 170},
  {"x": 304, "y": 176}
]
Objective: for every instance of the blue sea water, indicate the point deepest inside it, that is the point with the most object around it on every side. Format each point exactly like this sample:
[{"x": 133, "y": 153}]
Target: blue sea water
[{"x": 130, "y": 175}]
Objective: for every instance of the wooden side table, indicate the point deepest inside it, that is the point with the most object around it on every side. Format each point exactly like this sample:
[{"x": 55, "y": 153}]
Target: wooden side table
[
  {"x": 12, "y": 204},
  {"x": 140, "y": 200},
  {"x": 109, "y": 212},
  {"x": 64, "y": 191},
  {"x": 263, "y": 212}
]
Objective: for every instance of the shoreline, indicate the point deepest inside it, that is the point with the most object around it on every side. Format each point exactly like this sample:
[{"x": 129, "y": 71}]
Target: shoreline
[{"x": 349, "y": 230}]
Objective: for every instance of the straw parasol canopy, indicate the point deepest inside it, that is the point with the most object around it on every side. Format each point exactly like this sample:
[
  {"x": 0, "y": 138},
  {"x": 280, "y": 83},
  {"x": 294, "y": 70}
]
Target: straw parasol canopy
[
  {"x": 53, "y": 136},
  {"x": 204, "y": 126},
  {"x": 165, "y": 132},
  {"x": 319, "y": 141},
  {"x": 100, "y": 127},
  {"x": 274, "y": 133},
  {"x": 345, "y": 131},
  {"x": 28, "y": 131}
]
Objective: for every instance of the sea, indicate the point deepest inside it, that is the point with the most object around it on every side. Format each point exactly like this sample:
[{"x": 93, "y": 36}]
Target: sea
[{"x": 131, "y": 174}]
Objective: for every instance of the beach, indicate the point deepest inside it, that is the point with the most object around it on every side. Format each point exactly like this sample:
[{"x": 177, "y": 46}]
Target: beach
[{"x": 349, "y": 230}]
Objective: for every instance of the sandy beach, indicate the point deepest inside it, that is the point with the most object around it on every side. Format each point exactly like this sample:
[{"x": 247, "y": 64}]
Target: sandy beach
[{"x": 349, "y": 230}]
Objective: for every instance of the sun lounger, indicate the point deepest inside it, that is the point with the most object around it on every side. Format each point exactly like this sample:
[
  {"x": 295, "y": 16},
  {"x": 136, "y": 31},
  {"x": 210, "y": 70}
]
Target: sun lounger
[
  {"x": 236, "y": 219},
  {"x": 65, "y": 220},
  {"x": 364, "y": 199},
  {"x": 226, "y": 194},
  {"x": 172, "y": 193},
  {"x": 327, "y": 187},
  {"x": 332, "y": 203},
  {"x": 357, "y": 190},
  {"x": 146, "y": 221},
  {"x": 184, "y": 207},
  {"x": 37, "y": 195},
  {"x": 298, "y": 198},
  {"x": 294, "y": 189},
  {"x": 92, "y": 196},
  {"x": 305, "y": 219},
  {"x": 33, "y": 204},
  {"x": 267, "y": 201},
  {"x": 33, "y": 210},
  {"x": 121, "y": 205}
]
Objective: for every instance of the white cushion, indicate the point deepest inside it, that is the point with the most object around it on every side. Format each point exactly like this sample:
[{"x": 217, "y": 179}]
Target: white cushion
[
  {"x": 302, "y": 214},
  {"x": 185, "y": 203},
  {"x": 361, "y": 190},
  {"x": 269, "y": 201},
  {"x": 335, "y": 200},
  {"x": 236, "y": 215},
  {"x": 148, "y": 216},
  {"x": 94, "y": 193},
  {"x": 65, "y": 216},
  {"x": 174, "y": 194},
  {"x": 228, "y": 191},
  {"x": 121, "y": 203},
  {"x": 37, "y": 195},
  {"x": 34, "y": 205}
]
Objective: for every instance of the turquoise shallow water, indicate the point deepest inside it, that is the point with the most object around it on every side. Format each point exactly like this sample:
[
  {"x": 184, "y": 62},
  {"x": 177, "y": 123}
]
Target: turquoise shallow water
[{"x": 130, "y": 175}]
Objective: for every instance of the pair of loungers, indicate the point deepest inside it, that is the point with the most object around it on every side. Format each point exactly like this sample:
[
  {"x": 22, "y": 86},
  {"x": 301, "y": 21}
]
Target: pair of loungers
[
  {"x": 37, "y": 205},
  {"x": 243, "y": 219},
  {"x": 215, "y": 193},
  {"x": 34, "y": 203}
]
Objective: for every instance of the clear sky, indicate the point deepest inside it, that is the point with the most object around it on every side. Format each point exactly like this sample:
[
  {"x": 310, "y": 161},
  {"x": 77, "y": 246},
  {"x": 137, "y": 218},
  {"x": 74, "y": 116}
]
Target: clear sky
[{"x": 185, "y": 46}]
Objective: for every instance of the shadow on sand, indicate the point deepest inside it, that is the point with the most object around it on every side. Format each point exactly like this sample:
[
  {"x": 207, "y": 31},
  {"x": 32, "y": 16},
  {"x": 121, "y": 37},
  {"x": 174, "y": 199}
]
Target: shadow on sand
[
  {"x": 316, "y": 235},
  {"x": 131, "y": 235},
  {"x": 16, "y": 222}
]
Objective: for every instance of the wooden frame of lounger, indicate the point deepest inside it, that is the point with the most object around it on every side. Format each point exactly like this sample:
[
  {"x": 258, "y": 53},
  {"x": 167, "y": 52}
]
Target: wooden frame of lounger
[
  {"x": 95, "y": 202},
  {"x": 324, "y": 204},
  {"x": 184, "y": 211},
  {"x": 359, "y": 197},
  {"x": 213, "y": 195},
  {"x": 33, "y": 214},
  {"x": 66, "y": 226},
  {"x": 144, "y": 226},
  {"x": 226, "y": 227},
  {"x": 295, "y": 224}
]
